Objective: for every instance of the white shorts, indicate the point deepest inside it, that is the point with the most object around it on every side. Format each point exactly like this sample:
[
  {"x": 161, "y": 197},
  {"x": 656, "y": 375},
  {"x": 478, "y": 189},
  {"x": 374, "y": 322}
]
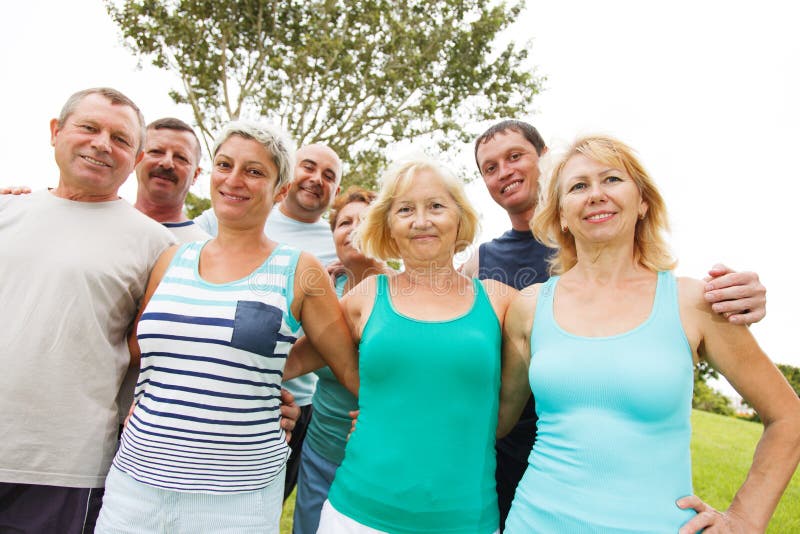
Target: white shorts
[{"x": 333, "y": 522}]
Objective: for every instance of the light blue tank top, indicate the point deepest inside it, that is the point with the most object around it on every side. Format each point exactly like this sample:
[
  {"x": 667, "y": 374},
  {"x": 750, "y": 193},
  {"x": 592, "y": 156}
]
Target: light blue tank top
[{"x": 612, "y": 449}]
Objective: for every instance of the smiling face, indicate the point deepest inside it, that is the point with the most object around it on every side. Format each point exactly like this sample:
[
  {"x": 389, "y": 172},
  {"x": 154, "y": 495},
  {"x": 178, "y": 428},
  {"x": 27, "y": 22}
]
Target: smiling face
[
  {"x": 243, "y": 180},
  {"x": 509, "y": 165},
  {"x": 348, "y": 219},
  {"x": 424, "y": 219},
  {"x": 316, "y": 183},
  {"x": 599, "y": 203},
  {"x": 95, "y": 148},
  {"x": 169, "y": 166}
]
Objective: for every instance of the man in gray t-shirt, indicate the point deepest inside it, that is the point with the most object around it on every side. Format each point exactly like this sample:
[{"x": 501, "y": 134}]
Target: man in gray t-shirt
[{"x": 75, "y": 265}]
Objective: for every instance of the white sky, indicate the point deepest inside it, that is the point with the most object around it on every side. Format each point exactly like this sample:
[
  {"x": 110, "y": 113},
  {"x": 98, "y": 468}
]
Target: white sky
[{"x": 706, "y": 91}]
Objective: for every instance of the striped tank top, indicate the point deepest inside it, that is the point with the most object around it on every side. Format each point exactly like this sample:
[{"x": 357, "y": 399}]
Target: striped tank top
[{"x": 207, "y": 417}]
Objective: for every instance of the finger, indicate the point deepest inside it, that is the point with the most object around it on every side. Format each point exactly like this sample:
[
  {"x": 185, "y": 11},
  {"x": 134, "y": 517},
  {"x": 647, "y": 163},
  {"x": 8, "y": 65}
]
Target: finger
[
  {"x": 753, "y": 316},
  {"x": 698, "y": 523},
  {"x": 719, "y": 269},
  {"x": 286, "y": 396},
  {"x": 734, "y": 293},
  {"x": 731, "y": 279},
  {"x": 744, "y": 305},
  {"x": 288, "y": 436},
  {"x": 691, "y": 501}
]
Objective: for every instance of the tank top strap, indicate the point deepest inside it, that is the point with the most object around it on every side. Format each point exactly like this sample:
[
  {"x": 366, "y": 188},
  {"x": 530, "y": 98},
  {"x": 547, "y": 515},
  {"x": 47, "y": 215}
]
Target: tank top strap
[
  {"x": 543, "y": 319},
  {"x": 665, "y": 305}
]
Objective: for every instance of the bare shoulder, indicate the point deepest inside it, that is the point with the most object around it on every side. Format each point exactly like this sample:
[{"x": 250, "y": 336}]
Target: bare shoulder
[
  {"x": 691, "y": 297},
  {"x": 470, "y": 267},
  {"x": 523, "y": 307},
  {"x": 500, "y": 296},
  {"x": 358, "y": 303}
]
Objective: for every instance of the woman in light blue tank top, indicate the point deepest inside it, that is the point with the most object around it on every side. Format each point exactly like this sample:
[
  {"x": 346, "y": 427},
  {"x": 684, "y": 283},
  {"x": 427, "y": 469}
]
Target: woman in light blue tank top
[{"x": 608, "y": 349}]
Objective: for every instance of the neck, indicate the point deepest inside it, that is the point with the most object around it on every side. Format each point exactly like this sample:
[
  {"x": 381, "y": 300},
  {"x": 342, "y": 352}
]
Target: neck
[
  {"x": 430, "y": 274},
  {"x": 521, "y": 221},
  {"x": 241, "y": 239},
  {"x": 606, "y": 262},
  {"x": 297, "y": 215},
  {"x": 160, "y": 212},
  {"x": 78, "y": 195}
]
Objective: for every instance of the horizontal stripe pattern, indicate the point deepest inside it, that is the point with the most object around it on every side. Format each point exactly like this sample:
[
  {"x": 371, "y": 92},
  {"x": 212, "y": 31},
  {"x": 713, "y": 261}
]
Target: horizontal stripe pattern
[{"x": 207, "y": 417}]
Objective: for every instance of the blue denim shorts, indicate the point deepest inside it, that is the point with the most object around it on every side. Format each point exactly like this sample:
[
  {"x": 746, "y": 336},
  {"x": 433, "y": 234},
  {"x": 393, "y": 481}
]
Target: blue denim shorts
[{"x": 131, "y": 507}]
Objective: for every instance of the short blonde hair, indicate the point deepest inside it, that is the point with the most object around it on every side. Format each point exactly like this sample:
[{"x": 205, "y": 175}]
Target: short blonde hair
[
  {"x": 374, "y": 238},
  {"x": 650, "y": 246}
]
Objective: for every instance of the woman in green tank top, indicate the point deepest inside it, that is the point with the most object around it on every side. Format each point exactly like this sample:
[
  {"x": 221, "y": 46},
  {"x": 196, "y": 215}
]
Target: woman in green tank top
[{"x": 422, "y": 456}]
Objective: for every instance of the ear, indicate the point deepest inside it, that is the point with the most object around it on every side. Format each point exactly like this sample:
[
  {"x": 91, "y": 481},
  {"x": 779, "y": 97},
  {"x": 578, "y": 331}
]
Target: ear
[
  {"x": 544, "y": 151},
  {"x": 643, "y": 208},
  {"x": 196, "y": 174},
  {"x": 280, "y": 194},
  {"x": 54, "y": 129},
  {"x": 139, "y": 157}
]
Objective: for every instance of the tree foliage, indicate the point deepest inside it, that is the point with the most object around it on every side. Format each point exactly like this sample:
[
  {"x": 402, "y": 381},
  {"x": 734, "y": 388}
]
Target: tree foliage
[
  {"x": 355, "y": 74},
  {"x": 705, "y": 397},
  {"x": 792, "y": 374},
  {"x": 195, "y": 205}
]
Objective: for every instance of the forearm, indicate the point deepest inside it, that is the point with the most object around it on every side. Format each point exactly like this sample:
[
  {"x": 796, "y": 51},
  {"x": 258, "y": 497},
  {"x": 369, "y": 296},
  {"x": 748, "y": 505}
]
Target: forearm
[
  {"x": 303, "y": 359},
  {"x": 774, "y": 462}
]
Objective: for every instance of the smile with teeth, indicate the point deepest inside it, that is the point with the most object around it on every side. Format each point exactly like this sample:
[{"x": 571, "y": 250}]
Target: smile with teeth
[
  {"x": 512, "y": 186},
  {"x": 599, "y": 216},
  {"x": 233, "y": 197},
  {"x": 95, "y": 161}
]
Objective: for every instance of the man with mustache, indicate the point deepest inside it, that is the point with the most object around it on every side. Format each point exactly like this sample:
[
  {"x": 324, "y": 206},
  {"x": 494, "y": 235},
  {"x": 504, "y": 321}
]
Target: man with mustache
[
  {"x": 169, "y": 167},
  {"x": 298, "y": 222}
]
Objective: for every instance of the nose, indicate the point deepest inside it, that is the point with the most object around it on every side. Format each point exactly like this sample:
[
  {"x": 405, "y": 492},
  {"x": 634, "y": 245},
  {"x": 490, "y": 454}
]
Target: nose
[
  {"x": 101, "y": 141},
  {"x": 167, "y": 161},
  {"x": 504, "y": 169},
  {"x": 420, "y": 219},
  {"x": 596, "y": 193},
  {"x": 235, "y": 178}
]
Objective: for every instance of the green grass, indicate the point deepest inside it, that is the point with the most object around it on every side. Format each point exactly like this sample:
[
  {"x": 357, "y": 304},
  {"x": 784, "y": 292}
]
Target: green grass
[{"x": 722, "y": 450}]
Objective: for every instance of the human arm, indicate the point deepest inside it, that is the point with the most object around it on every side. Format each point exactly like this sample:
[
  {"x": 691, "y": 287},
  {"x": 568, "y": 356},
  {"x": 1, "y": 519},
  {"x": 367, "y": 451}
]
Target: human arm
[
  {"x": 739, "y": 297},
  {"x": 733, "y": 351},
  {"x": 303, "y": 358},
  {"x": 323, "y": 321},
  {"x": 156, "y": 275},
  {"x": 290, "y": 413},
  {"x": 515, "y": 388}
]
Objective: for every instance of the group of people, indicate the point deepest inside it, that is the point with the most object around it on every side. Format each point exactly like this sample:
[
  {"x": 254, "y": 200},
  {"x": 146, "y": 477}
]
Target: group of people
[{"x": 211, "y": 318}]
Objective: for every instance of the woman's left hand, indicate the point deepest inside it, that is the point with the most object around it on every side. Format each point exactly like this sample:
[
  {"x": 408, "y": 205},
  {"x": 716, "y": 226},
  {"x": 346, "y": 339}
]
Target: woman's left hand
[{"x": 710, "y": 520}]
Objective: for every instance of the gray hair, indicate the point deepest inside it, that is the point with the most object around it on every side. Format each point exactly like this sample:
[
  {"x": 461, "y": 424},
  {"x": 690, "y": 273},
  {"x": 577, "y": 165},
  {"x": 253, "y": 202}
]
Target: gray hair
[
  {"x": 114, "y": 96},
  {"x": 274, "y": 140}
]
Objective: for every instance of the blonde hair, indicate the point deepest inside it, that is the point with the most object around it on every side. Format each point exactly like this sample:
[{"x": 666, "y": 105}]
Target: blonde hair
[
  {"x": 650, "y": 246},
  {"x": 374, "y": 238}
]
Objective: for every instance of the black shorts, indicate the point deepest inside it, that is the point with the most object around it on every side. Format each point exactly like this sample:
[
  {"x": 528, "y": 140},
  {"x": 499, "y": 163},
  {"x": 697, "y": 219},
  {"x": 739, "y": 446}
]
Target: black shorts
[{"x": 35, "y": 509}]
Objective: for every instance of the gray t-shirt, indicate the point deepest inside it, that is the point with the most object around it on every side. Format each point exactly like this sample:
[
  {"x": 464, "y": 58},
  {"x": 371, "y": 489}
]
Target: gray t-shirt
[{"x": 73, "y": 275}]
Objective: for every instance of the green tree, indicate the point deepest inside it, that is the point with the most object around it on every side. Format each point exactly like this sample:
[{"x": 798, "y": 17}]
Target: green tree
[
  {"x": 358, "y": 75},
  {"x": 792, "y": 374},
  {"x": 705, "y": 397},
  {"x": 195, "y": 205}
]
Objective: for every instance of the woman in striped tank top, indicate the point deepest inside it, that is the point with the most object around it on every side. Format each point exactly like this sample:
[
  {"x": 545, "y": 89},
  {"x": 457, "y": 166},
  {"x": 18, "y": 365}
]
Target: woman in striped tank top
[
  {"x": 203, "y": 450},
  {"x": 608, "y": 348}
]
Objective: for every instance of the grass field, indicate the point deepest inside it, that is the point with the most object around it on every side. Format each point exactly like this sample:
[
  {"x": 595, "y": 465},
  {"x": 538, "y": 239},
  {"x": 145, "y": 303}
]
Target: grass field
[{"x": 722, "y": 449}]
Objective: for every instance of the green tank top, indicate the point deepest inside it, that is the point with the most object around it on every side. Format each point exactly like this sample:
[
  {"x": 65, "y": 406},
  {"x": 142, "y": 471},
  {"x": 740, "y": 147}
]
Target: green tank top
[{"x": 422, "y": 456}]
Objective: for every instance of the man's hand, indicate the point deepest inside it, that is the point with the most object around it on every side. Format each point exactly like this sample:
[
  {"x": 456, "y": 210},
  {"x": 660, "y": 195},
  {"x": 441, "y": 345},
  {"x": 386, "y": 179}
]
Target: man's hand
[
  {"x": 15, "y": 190},
  {"x": 290, "y": 413},
  {"x": 739, "y": 297}
]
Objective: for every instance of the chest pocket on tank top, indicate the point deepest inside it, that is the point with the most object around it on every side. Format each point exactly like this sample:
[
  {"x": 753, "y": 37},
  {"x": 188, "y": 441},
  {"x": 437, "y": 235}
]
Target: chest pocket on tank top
[{"x": 256, "y": 326}]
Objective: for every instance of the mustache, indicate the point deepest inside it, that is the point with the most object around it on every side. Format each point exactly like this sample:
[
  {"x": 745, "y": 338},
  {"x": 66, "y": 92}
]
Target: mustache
[{"x": 165, "y": 173}]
